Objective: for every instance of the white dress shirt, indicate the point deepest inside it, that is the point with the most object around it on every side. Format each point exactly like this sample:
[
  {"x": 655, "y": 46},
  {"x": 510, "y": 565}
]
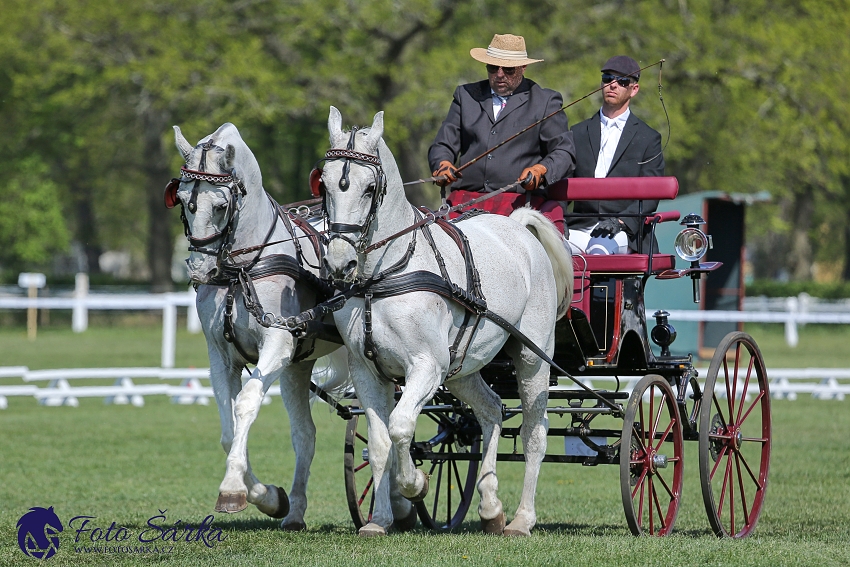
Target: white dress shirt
[{"x": 612, "y": 129}]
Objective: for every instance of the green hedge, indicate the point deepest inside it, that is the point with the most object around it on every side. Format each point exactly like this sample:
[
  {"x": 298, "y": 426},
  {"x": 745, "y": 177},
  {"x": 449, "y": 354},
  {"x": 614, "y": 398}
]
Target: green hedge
[{"x": 772, "y": 288}]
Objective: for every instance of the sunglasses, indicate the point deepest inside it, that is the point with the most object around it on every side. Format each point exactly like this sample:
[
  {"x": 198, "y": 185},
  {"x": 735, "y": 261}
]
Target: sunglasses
[
  {"x": 493, "y": 69},
  {"x": 622, "y": 81}
]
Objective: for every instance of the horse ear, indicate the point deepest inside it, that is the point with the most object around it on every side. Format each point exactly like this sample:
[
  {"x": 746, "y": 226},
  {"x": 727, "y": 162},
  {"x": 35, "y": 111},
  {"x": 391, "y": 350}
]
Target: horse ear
[
  {"x": 334, "y": 124},
  {"x": 183, "y": 144},
  {"x": 376, "y": 131}
]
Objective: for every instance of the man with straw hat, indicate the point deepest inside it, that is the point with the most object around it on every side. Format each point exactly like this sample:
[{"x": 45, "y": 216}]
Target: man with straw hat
[{"x": 485, "y": 113}]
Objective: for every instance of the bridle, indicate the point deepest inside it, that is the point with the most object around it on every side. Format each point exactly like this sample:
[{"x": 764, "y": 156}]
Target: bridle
[
  {"x": 338, "y": 230},
  {"x": 234, "y": 186}
]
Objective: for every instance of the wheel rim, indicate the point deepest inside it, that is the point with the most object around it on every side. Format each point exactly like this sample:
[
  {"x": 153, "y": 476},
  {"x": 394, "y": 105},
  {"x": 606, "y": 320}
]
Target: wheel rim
[
  {"x": 735, "y": 437},
  {"x": 453, "y": 467},
  {"x": 651, "y": 463},
  {"x": 358, "y": 475}
]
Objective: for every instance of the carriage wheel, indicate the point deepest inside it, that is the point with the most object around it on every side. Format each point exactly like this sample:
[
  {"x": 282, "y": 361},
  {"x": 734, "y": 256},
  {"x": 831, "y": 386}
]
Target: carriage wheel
[
  {"x": 651, "y": 458},
  {"x": 451, "y": 438},
  {"x": 734, "y": 436},
  {"x": 455, "y": 442}
]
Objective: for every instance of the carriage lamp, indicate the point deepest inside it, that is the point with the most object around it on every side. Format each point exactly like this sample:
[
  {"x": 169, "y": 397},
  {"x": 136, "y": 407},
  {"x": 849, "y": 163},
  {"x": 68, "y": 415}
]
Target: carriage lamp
[
  {"x": 663, "y": 334},
  {"x": 691, "y": 245}
]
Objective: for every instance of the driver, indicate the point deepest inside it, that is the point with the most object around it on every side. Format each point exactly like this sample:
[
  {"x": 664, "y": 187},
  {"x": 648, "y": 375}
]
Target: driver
[{"x": 485, "y": 113}]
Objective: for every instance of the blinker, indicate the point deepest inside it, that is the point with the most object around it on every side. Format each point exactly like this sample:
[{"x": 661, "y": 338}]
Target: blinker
[
  {"x": 317, "y": 188},
  {"x": 171, "y": 199}
]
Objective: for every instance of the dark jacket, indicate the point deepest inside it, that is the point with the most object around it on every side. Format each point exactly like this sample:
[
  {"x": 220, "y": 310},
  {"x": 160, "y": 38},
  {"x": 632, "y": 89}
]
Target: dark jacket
[
  {"x": 469, "y": 130},
  {"x": 638, "y": 143}
]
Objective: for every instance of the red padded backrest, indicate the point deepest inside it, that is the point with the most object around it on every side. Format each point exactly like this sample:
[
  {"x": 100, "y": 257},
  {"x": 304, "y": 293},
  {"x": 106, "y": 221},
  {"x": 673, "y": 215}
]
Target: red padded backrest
[{"x": 613, "y": 188}]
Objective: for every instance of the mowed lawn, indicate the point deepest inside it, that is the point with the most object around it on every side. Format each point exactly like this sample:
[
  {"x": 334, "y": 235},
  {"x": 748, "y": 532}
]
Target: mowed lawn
[{"x": 126, "y": 465}]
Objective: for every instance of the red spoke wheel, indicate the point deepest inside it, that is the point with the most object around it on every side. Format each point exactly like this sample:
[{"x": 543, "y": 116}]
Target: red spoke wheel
[
  {"x": 734, "y": 436},
  {"x": 451, "y": 456},
  {"x": 651, "y": 458},
  {"x": 358, "y": 474},
  {"x": 447, "y": 446}
]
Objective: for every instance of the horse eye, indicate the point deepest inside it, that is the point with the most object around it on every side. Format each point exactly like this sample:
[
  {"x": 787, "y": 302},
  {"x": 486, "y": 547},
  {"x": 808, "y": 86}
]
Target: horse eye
[
  {"x": 370, "y": 189},
  {"x": 221, "y": 206}
]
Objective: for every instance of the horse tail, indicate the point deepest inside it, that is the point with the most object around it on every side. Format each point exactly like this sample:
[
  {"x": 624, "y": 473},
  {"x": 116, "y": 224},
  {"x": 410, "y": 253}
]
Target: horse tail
[
  {"x": 559, "y": 255},
  {"x": 330, "y": 373}
]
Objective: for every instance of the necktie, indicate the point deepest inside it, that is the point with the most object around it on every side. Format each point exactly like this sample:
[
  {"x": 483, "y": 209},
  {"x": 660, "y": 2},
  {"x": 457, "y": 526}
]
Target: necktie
[{"x": 498, "y": 109}]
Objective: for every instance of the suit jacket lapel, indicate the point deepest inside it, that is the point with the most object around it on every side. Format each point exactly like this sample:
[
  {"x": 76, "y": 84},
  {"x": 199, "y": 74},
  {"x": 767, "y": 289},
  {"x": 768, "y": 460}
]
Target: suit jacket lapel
[
  {"x": 516, "y": 100},
  {"x": 625, "y": 139},
  {"x": 595, "y": 136}
]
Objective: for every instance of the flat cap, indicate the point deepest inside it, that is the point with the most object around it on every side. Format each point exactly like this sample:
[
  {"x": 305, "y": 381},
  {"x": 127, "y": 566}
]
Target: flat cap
[{"x": 622, "y": 65}]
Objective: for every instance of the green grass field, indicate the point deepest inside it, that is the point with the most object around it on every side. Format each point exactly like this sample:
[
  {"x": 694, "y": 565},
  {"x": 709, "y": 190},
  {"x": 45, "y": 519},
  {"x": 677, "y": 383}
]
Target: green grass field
[{"x": 125, "y": 464}]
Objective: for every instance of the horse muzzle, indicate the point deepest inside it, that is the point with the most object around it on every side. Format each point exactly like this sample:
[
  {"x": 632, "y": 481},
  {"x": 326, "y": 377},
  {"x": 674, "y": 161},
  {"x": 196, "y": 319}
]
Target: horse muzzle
[{"x": 340, "y": 261}]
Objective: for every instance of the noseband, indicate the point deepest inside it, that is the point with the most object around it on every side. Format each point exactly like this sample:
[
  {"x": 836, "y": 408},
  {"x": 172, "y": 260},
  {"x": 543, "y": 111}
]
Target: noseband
[{"x": 338, "y": 229}]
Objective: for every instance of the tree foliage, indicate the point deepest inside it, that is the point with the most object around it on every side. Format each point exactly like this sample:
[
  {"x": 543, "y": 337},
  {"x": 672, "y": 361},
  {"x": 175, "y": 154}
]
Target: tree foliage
[{"x": 88, "y": 92}]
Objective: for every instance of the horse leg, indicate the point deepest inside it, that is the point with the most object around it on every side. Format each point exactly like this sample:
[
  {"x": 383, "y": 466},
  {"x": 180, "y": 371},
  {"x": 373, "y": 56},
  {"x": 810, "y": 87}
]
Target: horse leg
[
  {"x": 376, "y": 397},
  {"x": 226, "y": 382},
  {"x": 487, "y": 405},
  {"x": 295, "y": 391},
  {"x": 420, "y": 385},
  {"x": 533, "y": 381},
  {"x": 240, "y": 485}
]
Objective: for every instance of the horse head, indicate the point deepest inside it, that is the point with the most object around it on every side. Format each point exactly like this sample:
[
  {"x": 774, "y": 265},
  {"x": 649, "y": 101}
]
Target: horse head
[
  {"x": 355, "y": 176},
  {"x": 215, "y": 184}
]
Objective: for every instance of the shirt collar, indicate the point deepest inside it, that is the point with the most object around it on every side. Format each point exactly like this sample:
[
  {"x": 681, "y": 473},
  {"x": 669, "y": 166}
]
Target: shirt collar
[{"x": 619, "y": 122}]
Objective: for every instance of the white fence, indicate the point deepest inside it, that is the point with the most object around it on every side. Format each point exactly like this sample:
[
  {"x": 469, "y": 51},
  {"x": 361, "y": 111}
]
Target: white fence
[{"x": 785, "y": 383}]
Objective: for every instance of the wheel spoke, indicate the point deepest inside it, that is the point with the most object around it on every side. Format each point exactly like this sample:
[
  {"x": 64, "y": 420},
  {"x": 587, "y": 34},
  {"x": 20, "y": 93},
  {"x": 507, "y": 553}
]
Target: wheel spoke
[
  {"x": 657, "y": 419},
  {"x": 657, "y": 508},
  {"x": 755, "y": 402},
  {"x": 639, "y": 483},
  {"x": 670, "y": 426},
  {"x": 719, "y": 411},
  {"x": 361, "y": 437},
  {"x": 366, "y": 490},
  {"x": 666, "y": 487},
  {"x": 750, "y": 471},
  {"x": 719, "y": 460},
  {"x": 746, "y": 385},
  {"x": 361, "y": 466},
  {"x": 437, "y": 492},
  {"x": 743, "y": 492},
  {"x": 724, "y": 484}
]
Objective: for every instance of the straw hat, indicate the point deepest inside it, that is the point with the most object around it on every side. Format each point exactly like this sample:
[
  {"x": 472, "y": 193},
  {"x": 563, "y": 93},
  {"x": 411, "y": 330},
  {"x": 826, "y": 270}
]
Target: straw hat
[{"x": 504, "y": 50}]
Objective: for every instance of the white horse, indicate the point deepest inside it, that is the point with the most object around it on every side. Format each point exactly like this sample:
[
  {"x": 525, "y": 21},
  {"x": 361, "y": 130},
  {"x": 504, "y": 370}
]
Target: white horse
[
  {"x": 524, "y": 269},
  {"x": 250, "y": 262}
]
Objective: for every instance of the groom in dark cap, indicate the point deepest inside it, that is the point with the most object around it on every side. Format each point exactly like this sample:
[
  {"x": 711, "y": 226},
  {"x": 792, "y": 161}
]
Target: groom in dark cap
[{"x": 615, "y": 143}]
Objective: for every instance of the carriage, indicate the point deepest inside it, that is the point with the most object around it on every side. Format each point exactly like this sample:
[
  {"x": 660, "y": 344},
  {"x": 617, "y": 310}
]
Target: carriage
[{"x": 658, "y": 401}]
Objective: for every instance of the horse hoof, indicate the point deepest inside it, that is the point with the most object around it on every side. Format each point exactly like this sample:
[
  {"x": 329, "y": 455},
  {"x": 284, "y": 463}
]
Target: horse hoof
[
  {"x": 407, "y": 523},
  {"x": 422, "y": 493},
  {"x": 496, "y": 526},
  {"x": 372, "y": 530},
  {"x": 282, "y": 504},
  {"x": 516, "y": 532},
  {"x": 231, "y": 503},
  {"x": 294, "y": 527}
]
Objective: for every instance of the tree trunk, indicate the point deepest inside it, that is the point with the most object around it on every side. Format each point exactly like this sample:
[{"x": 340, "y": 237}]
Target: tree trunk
[
  {"x": 160, "y": 237},
  {"x": 800, "y": 258}
]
